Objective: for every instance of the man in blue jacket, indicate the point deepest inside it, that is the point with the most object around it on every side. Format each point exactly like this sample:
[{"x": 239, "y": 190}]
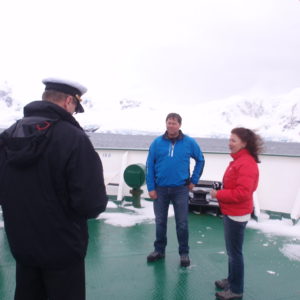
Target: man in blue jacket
[{"x": 169, "y": 180}]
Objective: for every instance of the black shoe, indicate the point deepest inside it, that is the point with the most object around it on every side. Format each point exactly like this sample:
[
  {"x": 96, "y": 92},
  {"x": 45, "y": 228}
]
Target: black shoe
[
  {"x": 154, "y": 256},
  {"x": 222, "y": 284},
  {"x": 185, "y": 260},
  {"x": 228, "y": 295}
]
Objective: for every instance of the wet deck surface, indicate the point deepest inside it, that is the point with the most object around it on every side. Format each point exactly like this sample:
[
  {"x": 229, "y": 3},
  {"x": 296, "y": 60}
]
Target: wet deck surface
[{"x": 116, "y": 266}]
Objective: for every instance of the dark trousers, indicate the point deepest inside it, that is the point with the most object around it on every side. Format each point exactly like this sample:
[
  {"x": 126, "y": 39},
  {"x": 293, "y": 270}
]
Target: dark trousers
[
  {"x": 34, "y": 283},
  {"x": 179, "y": 196},
  {"x": 234, "y": 238}
]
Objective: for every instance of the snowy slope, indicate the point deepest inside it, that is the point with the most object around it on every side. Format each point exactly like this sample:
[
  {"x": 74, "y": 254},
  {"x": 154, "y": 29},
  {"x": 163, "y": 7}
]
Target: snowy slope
[{"x": 276, "y": 119}]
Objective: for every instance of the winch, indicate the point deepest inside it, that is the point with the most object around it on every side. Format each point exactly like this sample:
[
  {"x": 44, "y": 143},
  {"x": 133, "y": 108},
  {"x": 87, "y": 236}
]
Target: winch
[{"x": 200, "y": 198}]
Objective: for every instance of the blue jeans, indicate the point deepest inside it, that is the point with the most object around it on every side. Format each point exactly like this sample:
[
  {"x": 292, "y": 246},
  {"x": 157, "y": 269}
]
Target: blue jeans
[
  {"x": 179, "y": 197},
  {"x": 234, "y": 238}
]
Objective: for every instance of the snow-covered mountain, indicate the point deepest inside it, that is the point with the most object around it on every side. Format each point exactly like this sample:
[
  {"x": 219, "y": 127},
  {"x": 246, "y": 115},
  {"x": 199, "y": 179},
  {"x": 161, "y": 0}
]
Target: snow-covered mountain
[
  {"x": 10, "y": 109},
  {"x": 276, "y": 119}
]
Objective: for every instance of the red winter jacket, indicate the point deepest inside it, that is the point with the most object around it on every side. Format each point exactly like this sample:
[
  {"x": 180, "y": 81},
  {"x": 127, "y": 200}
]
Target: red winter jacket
[{"x": 239, "y": 182}]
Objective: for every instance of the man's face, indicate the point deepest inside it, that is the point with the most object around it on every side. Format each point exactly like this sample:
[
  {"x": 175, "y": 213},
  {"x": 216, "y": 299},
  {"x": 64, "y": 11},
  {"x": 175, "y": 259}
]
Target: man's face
[
  {"x": 70, "y": 104},
  {"x": 173, "y": 127}
]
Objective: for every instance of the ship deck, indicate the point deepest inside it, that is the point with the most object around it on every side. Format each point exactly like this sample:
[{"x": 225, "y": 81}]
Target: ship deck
[{"x": 116, "y": 266}]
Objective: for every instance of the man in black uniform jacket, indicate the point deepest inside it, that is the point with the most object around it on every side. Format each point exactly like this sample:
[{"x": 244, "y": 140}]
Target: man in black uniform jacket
[{"x": 51, "y": 182}]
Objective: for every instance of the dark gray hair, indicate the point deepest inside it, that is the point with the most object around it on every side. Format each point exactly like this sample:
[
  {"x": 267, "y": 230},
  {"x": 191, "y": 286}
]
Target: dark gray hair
[{"x": 174, "y": 116}]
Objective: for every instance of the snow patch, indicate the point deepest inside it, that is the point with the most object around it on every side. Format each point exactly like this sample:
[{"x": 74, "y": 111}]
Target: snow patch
[
  {"x": 282, "y": 227},
  {"x": 291, "y": 251},
  {"x": 131, "y": 215}
]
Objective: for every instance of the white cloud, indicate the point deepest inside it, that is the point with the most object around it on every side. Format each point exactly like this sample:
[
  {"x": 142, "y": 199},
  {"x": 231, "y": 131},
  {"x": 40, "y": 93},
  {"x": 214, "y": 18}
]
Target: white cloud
[{"x": 172, "y": 51}]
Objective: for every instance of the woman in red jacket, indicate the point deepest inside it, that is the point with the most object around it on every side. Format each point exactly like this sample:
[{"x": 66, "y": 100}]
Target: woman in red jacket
[{"x": 236, "y": 202}]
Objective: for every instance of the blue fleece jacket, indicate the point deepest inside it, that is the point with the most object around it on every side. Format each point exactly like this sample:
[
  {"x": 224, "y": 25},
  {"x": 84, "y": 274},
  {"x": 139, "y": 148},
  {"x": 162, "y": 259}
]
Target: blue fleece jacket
[{"x": 168, "y": 164}]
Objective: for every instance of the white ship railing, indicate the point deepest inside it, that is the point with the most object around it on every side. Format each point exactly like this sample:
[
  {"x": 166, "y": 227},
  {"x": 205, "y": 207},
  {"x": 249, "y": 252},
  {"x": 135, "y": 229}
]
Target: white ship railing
[{"x": 279, "y": 185}]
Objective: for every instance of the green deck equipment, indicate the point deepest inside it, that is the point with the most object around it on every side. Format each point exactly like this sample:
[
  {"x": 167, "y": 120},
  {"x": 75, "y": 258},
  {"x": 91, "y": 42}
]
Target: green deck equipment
[{"x": 135, "y": 176}]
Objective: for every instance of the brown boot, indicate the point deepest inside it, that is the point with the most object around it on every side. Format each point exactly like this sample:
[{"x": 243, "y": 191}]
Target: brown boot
[
  {"x": 154, "y": 256},
  {"x": 185, "y": 260},
  {"x": 228, "y": 295},
  {"x": 222, "y": 284}
]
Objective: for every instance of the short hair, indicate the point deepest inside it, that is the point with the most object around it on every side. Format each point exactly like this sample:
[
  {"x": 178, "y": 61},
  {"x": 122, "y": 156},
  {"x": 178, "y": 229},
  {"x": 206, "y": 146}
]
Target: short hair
[
  {"x": 174, "y": 116},
  {"x": 54, "y": 96},
  {"x": 254, "y": 143}
]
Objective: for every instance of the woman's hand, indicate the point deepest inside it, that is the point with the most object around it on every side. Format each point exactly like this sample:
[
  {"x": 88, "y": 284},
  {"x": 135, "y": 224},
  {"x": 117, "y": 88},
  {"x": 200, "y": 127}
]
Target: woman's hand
[{"x": 213, "y": 193}]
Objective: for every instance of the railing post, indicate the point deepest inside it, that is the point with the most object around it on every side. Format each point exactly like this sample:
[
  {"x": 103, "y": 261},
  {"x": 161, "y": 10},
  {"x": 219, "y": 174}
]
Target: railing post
[
  {"x": 256, "y": 205},
  {"x": 121, "y": 180},
  {"x": 295, "y": 212}
]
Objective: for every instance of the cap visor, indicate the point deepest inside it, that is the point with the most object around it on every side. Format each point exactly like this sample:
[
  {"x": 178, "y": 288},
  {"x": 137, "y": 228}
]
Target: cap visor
[{"x": 79, "y": 108}]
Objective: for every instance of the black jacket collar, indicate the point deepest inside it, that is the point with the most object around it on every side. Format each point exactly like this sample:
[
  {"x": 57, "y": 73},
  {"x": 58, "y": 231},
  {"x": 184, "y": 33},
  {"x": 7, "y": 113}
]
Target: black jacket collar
[
  {"x": 49, "y": 110},
  {"x": 173, "y": 140}
]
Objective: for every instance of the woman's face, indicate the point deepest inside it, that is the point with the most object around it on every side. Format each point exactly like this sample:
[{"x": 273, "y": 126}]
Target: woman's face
[{"x": 235, "y": 143}]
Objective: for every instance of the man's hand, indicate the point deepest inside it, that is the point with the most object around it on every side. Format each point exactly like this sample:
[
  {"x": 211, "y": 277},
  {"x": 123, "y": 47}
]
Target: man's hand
[
  {"x": 191, "y": 186},
  {"x": 153, "y": 194}
]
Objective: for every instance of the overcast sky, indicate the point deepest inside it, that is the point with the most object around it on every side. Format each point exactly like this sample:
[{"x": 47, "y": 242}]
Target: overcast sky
[{"x": 181, "y": 51}]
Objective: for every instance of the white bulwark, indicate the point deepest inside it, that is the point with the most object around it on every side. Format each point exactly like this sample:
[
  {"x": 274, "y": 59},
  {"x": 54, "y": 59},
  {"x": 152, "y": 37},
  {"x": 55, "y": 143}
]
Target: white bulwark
[{"x": 279, "y": 184}]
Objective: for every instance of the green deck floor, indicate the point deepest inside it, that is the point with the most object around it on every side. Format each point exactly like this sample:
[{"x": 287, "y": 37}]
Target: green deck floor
[{"x": 116, "y": 266}]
